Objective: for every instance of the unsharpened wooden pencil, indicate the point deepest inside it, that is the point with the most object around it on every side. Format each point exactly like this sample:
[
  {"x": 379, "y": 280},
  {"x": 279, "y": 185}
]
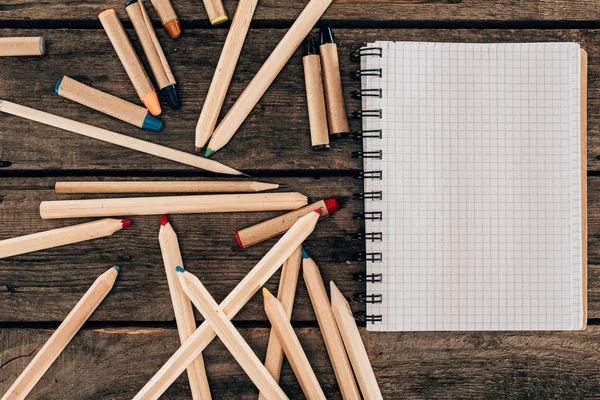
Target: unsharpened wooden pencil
[
  {"x": 224, "y": 72},
  {"x": 61, "y": 236},
  {"x": 165, "y": 187},
  {"x": 232, "y": 304},
  {"x": 280, "y": 324},
  {"x": 331, "y": 335},
  {"x": 22, "y": 46},
  {"x": 212, "y": 203},
  {"x": 286, "y": 294},
  {"x": 266, "y": 75},
  {"x": 229, "y": 335},
  {"x": 62, "y": 336},
  {"x": 354, "y": 345},
  {"x": 115, "y": 138},
  {"x": 182, "y": 307}
]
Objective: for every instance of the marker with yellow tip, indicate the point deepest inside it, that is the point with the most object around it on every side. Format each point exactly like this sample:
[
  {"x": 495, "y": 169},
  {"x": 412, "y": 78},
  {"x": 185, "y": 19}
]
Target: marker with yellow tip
[{"x": 216, "y": 12}]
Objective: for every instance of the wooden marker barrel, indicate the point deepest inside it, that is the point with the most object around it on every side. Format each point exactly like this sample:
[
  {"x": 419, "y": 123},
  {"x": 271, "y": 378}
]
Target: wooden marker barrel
[
  {"x": 22, "y": 46},
  {"x": 315, "y": 98},
  {"x": 334, "y": 97}
]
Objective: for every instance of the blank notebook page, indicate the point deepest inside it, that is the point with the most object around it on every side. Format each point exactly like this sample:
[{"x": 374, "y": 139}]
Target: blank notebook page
[{"x": 481, "y": 186}]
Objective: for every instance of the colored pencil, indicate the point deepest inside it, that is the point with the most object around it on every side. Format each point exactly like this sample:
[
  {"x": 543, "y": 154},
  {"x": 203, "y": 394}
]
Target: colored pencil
[
  {"x": 153, "y": 51},
  {"x": 182, "y": 307},
  {"x": 282, "y": 327},
  {"x": 232, "y": 304},
  {"x": 331, "y": 335},
  {"x": 107, "y": 104},
  {"x": 22, "y": 46},
  {"x": 275, "y": 226},
  {"x": 216, "y": 11},
  {"x": 354, "y": 345},
  {"x": 61, "y": 236},
  {"x": 171, "y": 205},
  {"x": 115, "y": 138},
  {"x": 286, "y": 294},
  {"x": 165, "y": 187},
  {"x": 168, "y": 17},
  {"x": 266, "y": 75},
  {"x": 133, "y": 67},
  {"x": 62, "y": 336},
  {"x": 224, "y": 72},
  {"x": 229, "y": 335}
]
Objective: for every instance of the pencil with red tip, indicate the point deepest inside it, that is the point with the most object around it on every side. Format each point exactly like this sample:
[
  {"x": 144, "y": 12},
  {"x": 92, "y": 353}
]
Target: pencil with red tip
[
  {"x": 278, "y": 225},
  {"x": 61, "y": 236}
]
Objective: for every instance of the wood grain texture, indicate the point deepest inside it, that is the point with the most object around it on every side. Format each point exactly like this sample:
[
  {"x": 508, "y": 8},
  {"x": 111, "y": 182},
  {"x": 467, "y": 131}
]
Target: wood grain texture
[
  {"x": 275, "y": 137},
  {"x": 119, "y": 361},
  {"x": 348, "y": 11}
]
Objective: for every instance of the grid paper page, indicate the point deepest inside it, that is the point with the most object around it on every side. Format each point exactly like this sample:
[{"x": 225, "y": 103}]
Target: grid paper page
[{"x": 481, "y": 181}]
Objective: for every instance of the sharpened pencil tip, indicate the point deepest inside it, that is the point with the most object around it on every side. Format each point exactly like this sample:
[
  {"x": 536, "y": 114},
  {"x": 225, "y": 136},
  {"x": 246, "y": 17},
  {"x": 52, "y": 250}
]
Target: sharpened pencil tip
[
  {"x": 117, "y": 268},
  {"x": 179, "y": 269},
  {"x": 208, "y": 152},
  {"x": 283, "y": 186},
  {"x": 266, "y": 294},
  {"x": 126, "y": 222},
  {"x": 246, "y": 175},
  {"x": 304, "y": 254},
  {"x": 164, "y": 220},
  {"x": 318, "y": 211}
]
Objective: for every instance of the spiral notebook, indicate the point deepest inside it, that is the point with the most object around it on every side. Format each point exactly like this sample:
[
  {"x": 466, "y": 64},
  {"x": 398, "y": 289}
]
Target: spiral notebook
[{"x": 475, "y": 185}]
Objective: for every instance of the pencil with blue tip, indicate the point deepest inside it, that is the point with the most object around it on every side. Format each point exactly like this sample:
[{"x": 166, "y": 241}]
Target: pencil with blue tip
[{"x": 62, "y": 336}]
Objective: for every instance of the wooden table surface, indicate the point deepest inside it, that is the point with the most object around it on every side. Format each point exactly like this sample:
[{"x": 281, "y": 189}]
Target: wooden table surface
[{"x": 133, "y": 332}]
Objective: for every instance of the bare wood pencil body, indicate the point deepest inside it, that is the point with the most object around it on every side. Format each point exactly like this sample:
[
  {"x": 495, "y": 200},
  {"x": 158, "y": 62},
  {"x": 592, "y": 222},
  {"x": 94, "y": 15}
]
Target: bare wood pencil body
[
  {"x": 229, "y": 335},
  {"x": 331, "y": 335},
  {"x": 22, "y": 46},
  {"x": 171, "y": 205},
  {"x": 106, "y": 103},
  {"x": 115, "y": 138},
  {"x": 168, "y": 17},
  {"x": 275, "y": 226},
  {"x": 164, "y": 187},
  {"x": 232, "y": 304},
  {"x": 182, "y": 307},
  {"x": 280, "y": 324},
  {"x": 315, "y": 97},
  {"x": 62, "y": 336},
  {"x": 267, "y": 74},
  {"x": 133, "y": 67},
  {"x": 61, "y": 236},
  {"x": 286, "y": 294},
  {"x": 354, "y": 345},
  {"x": 332, "y": 81},
  {"x": 224, "y": 71}
]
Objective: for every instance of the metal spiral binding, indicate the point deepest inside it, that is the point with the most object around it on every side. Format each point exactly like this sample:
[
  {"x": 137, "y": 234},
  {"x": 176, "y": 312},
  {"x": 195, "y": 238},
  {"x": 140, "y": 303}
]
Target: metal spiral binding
[{"x": 373, "y": 257}]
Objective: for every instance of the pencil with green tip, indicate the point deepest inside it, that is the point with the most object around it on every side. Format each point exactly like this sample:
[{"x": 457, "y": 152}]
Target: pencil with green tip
[{"x": 62, "y": 336}]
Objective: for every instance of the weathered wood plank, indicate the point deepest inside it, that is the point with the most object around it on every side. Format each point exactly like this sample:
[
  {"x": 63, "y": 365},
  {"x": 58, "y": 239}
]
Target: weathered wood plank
[
  {"x": 347, "y": 11},
  {"x": 43, "y": 286},
  {"x": 275, "y": 136},
  {"x": 118, "y": 362}
]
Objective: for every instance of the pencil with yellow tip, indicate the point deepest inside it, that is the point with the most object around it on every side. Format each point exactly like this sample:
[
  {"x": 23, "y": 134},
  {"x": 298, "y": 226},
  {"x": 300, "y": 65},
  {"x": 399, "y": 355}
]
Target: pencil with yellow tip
[
  {"x": 282, "y": 327},
  {"x": 118, "y": 38},
  {"x": 168, "y": 17},
  {"x": 62, "y": 336}
]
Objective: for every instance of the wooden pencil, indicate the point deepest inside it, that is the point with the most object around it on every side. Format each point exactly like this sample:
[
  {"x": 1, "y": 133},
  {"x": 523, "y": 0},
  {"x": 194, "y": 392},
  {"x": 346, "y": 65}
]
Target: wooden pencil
[
  {"x": 62, "y": 336},
  {"x": 171, "y": 205},
  {"x": 286, "y": 294},
  {"x": 224, "y": 72},
  {"x": 229, "y": 335},
  {"x": 115, "y": 138},
  {"x": 354, "y": 345},
  {"x": 280, "y": 324},
  {"x": 61, "y": 236},
  {"x": 182, "y": 307},
  {"x": 168, "y": 17},
  {"x": 232, "y": 304},
  {"x": 266, "y": 75},
  {"x": 331, "y": 335},
  {"x": 22, "y": 46},
  {"x": 164, "y": 187}
]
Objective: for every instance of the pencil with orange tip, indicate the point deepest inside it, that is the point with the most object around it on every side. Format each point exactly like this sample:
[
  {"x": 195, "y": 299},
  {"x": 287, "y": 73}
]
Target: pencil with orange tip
[
  {"x": 329, "y": 330},
  {"x": 61, "y": 236},
  {"x": 168, "y": 17},
  {"x": 354, "y": 345},
  {"x": 281, "y": 325},
  {"x": 134, "y": 68},
  {"x": 182, "y": 307},
  {"x": 229, "y": 335},
  {"x": 62, "y": 336},
  {"x": 232, "y": 304}
]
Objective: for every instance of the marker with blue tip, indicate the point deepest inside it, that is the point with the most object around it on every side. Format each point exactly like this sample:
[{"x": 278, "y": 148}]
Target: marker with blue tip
[{"x": 107, "y": 103}]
